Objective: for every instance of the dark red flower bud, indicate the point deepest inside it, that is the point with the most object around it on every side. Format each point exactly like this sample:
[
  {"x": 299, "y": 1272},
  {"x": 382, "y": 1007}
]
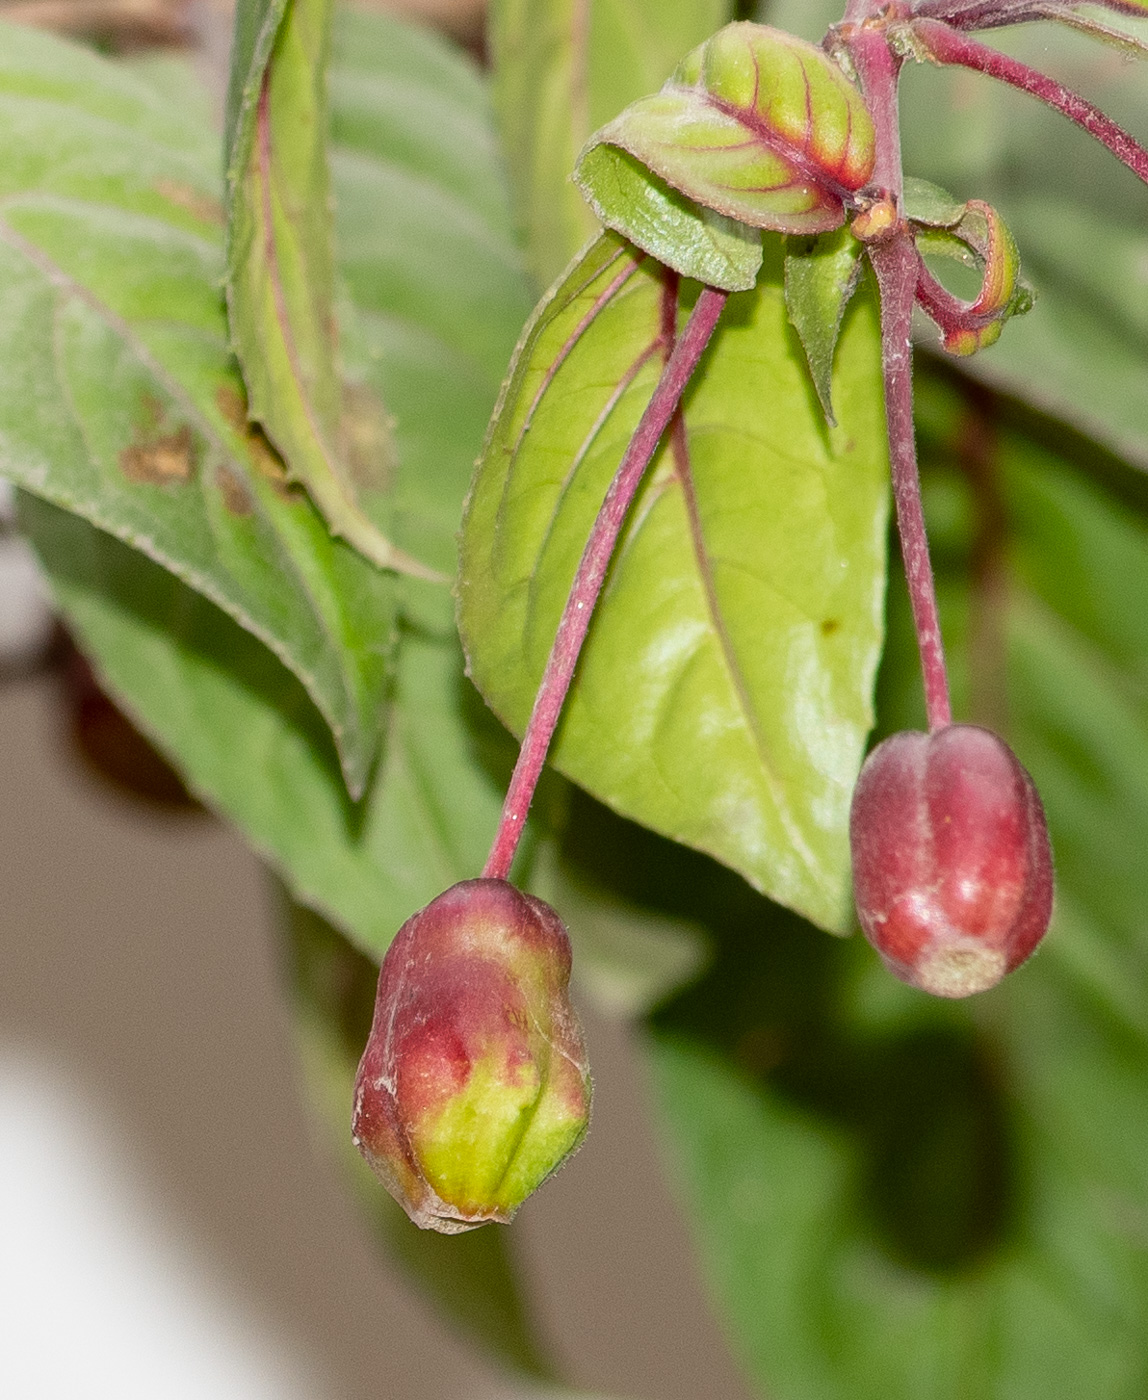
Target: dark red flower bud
[
  {"x": 474, "y": 1086},
  {"x": 952, "y": 869}
]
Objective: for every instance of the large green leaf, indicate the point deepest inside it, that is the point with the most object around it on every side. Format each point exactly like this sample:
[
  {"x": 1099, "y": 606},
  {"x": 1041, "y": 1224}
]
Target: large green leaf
[
  {"x": 118, "y": 395},
  {"x": 280, "y": 272},
  {"x": 896, "y": 1197},
  {"x": 235, "y": 720},
  {"x": 723, "y": 697},
  {"x": 562, "y": 68}
]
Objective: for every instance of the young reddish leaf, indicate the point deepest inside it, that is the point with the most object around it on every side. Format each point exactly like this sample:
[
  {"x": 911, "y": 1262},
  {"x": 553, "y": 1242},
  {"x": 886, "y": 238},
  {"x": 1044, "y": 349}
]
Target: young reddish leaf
[
  {"x": 980, "y": 236},
  {"x": 754, "y": 124}
]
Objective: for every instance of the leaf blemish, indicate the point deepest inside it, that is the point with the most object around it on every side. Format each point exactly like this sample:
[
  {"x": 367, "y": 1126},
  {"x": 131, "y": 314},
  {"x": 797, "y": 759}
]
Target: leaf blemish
[
  {"x": 160, "y": 460},
  {"x": 236, "y": 496},
  {"x": 830, "y": 626},
  {"x": 263, "y": 456},
  {"x": 194, "y": 202}
]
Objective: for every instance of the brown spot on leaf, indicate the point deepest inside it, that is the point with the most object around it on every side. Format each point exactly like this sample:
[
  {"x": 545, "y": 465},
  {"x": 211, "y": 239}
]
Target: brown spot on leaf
[
  {"x": 236, "y": 496},
  {"x": 233, "y": 406},
  {"x": 160, "y": 460},
  {"x": 829, "y": 626},
  {"x": 194, "y": 202},
  {"x": 366, "y": 440},
  {"x": 262, "y": 456},
  {"x": 150, "y": 415}
]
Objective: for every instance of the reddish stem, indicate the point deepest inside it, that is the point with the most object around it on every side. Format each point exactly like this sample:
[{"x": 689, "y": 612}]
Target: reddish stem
[
  {"x": 948, "y": 46},
  {"x": 895, "y": 263},
  {"x": 587, "y": 585},
  {"x": 878, "y": 70}
]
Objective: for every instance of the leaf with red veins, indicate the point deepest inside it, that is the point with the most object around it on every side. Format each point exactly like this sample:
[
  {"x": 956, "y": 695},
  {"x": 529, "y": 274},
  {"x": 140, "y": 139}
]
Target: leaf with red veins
[{"x": 755, "y": 125}]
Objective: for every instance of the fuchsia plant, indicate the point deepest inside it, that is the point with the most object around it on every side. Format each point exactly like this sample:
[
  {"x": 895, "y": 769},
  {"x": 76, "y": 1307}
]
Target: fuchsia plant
[
  {"x": 247, "y": 422},
  {"x": 757, "y": 130}
]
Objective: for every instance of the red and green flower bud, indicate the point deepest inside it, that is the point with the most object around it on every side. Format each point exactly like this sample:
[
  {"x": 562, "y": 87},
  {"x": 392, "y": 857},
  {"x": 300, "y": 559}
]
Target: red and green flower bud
[
  {"x": 952, "y": 869},
  {"x": 474, "y": 1086}
]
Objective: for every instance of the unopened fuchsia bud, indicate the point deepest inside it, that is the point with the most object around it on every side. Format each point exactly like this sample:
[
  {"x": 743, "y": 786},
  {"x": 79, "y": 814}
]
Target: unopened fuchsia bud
[
  {"x": 952, "y": 869},
  {"x": 474, "y": 1085}
]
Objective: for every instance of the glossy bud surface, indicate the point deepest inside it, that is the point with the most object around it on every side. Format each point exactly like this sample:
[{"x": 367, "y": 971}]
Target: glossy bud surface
[
  {"x": 474, "y": 1086},
  {"x": 952, "y": 869}
]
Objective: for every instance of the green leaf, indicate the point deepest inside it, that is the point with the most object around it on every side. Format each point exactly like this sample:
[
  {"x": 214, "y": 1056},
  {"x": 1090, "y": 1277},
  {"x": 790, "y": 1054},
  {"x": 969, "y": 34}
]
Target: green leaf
[
  {"x": 119, "y": 398},
  {"x": 280, "y": 271},
  {"x": 438, "y": 284},
  {"x": 723, "y": 697},
  {"x": 686, "y": 236},
  {"x": 821, "y": 274},
  {"x": 926, "y": 203},
  {"x": 561, "y": 69},
  {"x": 897, "y": 1197},
  {"x": 249, "y": 743},
  {"x": 243, "y": 733},
  {"x": 756, "y": 125},
  {"x": 471, "y": 1276},
  {"x": 440, "y": 372}
]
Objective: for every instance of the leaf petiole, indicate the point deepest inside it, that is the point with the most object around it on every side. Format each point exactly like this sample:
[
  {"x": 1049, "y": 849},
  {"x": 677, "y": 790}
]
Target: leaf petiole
[{"x": 947, "y": 46}]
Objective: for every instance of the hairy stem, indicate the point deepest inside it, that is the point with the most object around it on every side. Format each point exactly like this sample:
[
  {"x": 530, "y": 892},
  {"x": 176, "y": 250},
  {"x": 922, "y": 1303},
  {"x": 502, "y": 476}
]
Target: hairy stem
[
  {"x": 947, "y": 46},
  {"x": 895, "y": 263},
  {"x": 878, "y": 69},
  {"x": 587, "y": 585}
]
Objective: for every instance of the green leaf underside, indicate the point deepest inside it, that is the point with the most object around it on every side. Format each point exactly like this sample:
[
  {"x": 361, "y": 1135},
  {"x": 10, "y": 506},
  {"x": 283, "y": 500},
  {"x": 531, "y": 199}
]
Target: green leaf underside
[
  {"x": 689, "y": 238},
  {"x": 280, "y": 277},
  {"x": 821, "y": 274},
  {"x": 813, "y": 1180},
  {"x": 220, "y": 706},
  {"x": 723, "y": 697},
  {"x": 756, "y": 125},
  {"x": 561, "y": 69},
  {"x": 233, "y": 529},
  {"x": 119, "y": 397}
]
